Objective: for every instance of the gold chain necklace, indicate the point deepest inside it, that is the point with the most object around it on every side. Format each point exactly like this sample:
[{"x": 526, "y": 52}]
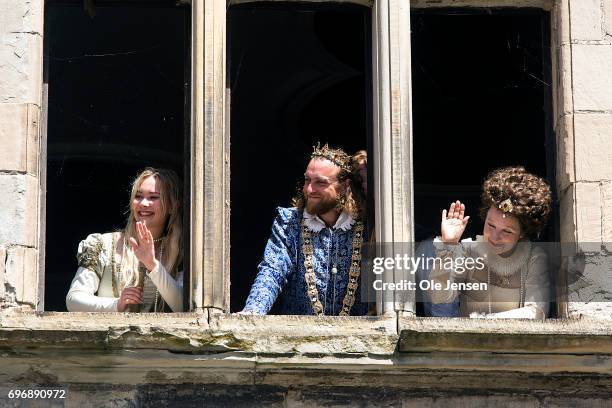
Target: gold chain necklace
[{"x": 354, "y": 272}]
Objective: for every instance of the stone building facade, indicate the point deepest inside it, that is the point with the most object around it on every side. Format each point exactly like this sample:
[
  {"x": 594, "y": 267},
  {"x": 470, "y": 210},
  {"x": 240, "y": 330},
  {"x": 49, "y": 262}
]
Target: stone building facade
[{"x": 210, "y": 357}]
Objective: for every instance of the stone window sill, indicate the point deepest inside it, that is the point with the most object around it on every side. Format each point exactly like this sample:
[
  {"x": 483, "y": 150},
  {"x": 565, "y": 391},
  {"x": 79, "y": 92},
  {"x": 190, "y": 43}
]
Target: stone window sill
[
  {"x": 197, "y": 347},
  {"x": 582, "y": 336},
  {"x": 203, "y": 333}
]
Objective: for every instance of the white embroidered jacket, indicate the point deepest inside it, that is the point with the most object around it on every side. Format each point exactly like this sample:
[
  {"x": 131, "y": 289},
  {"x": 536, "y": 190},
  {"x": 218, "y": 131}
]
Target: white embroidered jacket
[{"x": 92, "y": 289}]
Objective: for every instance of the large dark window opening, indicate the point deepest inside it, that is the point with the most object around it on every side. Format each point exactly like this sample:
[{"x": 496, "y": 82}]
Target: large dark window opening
[
  {"x": 118, "y": 101},
  {"x": 298, "y": 74},
  {"x": 481, "y": 100}
]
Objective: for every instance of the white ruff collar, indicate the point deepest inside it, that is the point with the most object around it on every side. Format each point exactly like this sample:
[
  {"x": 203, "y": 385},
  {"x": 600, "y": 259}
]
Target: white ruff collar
[{"x": 315, "y": 224}]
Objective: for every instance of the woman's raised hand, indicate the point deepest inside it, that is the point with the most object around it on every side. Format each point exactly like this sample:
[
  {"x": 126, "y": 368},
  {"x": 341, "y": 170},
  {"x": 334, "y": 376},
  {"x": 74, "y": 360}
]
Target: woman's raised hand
[
  {"x": 144, "y": 248},
  {"x": 453, "y": 223}
]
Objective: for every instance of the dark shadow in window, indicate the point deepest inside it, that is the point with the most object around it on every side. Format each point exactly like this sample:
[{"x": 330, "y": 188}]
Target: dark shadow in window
[
  {"x": 298, "y": 74},
  {"x": 118, "y": 101},
  {"x": 481, "y": 100}
]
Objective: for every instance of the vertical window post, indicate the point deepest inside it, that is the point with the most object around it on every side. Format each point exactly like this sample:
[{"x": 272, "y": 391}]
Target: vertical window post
[
  {"x": 210, "y": 160},
  {"x": 393, "y": 144}
]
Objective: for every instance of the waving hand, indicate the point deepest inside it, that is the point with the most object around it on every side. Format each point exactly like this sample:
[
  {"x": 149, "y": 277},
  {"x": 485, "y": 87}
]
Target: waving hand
[
  {"x": 454, "y": 222},
  {"x": 144, "y": 248}
]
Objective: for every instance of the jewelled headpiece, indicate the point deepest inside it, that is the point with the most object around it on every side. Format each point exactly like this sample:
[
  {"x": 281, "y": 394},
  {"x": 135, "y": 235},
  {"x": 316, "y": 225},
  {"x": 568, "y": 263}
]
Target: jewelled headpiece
[
  {"x": 506, "y": 206},
  {"x": 338, "y": 157}
]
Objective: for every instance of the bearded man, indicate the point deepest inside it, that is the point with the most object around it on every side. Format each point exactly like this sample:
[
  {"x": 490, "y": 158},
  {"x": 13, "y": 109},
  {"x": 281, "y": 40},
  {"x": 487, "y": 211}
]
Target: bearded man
[{"x": 313, "y": 257}]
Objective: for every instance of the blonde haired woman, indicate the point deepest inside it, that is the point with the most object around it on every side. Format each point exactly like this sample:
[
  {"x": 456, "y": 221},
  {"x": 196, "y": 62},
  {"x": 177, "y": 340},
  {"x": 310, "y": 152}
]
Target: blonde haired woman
[{"x": 135, "y": 269}]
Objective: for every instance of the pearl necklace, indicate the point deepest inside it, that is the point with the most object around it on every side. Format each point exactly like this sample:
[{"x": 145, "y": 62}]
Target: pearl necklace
[
  {"x": 146, "y": 273},
  {"x": 161, "y": 254}
]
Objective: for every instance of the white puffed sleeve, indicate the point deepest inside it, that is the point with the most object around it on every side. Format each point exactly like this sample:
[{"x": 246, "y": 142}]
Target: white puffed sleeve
[{"x": 82, "y": 296}]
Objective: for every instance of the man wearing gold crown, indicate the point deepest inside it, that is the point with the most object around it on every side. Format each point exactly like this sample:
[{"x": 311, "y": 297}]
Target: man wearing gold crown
[{"x": 313, "y": 257}]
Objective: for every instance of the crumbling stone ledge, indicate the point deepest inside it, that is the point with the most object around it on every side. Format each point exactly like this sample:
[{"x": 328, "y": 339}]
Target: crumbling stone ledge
[
  {"x": 302, "y": 335},
  {"x": 200, "y": 333},
  {"x": 217, "y": 348}
]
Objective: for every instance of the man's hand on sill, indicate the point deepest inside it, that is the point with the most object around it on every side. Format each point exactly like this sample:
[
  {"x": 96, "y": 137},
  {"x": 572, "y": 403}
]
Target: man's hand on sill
[{"x": 245, "y": 313}]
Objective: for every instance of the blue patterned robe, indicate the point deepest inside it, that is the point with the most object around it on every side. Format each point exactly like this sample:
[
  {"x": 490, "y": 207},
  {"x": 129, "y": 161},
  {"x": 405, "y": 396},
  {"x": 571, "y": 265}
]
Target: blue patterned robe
[{"x": 281, "y": 273}]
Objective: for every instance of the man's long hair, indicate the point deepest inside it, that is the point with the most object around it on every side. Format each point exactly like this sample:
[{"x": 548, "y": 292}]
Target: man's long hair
[{"x": 358, "y": 159}]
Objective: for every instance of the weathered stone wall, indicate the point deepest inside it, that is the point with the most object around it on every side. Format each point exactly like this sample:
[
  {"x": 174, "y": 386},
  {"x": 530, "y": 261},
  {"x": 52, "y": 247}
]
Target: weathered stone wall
[
  {"x": 21, "y": 49},
  {"x": 583, "y": 122},
  {"x": 197, "y": 359},
  {"x": 247, "y": 396},
  {"x": 582, "y": 71}
]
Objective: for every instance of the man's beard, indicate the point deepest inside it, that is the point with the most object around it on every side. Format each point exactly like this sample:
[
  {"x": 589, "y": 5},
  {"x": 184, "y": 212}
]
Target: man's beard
[{"x": 322, "y": 206}]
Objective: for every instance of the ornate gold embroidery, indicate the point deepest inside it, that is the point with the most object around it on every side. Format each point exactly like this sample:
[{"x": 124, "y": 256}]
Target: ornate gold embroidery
[
  {"x": 89, "y": 258},
  {"x": 354, "y": 271}
]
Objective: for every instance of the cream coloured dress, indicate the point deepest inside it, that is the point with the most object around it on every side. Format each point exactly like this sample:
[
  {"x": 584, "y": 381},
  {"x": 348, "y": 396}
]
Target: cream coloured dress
[
  {"x": 517, "y": 286},
  {"x": 96, "y": 285}
]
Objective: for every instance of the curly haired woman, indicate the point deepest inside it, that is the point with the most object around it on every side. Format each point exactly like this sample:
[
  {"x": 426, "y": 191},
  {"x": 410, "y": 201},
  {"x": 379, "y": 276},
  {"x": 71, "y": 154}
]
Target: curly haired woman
[{"x": 511, "y": 279}]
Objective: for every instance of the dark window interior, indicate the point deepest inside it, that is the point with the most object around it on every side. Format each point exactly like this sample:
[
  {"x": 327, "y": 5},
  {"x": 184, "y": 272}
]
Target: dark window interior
[
  {"x": 118, "y": 101},
  {"x": 298, "y": 74},
  {"x": 481, "y": 100}
]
